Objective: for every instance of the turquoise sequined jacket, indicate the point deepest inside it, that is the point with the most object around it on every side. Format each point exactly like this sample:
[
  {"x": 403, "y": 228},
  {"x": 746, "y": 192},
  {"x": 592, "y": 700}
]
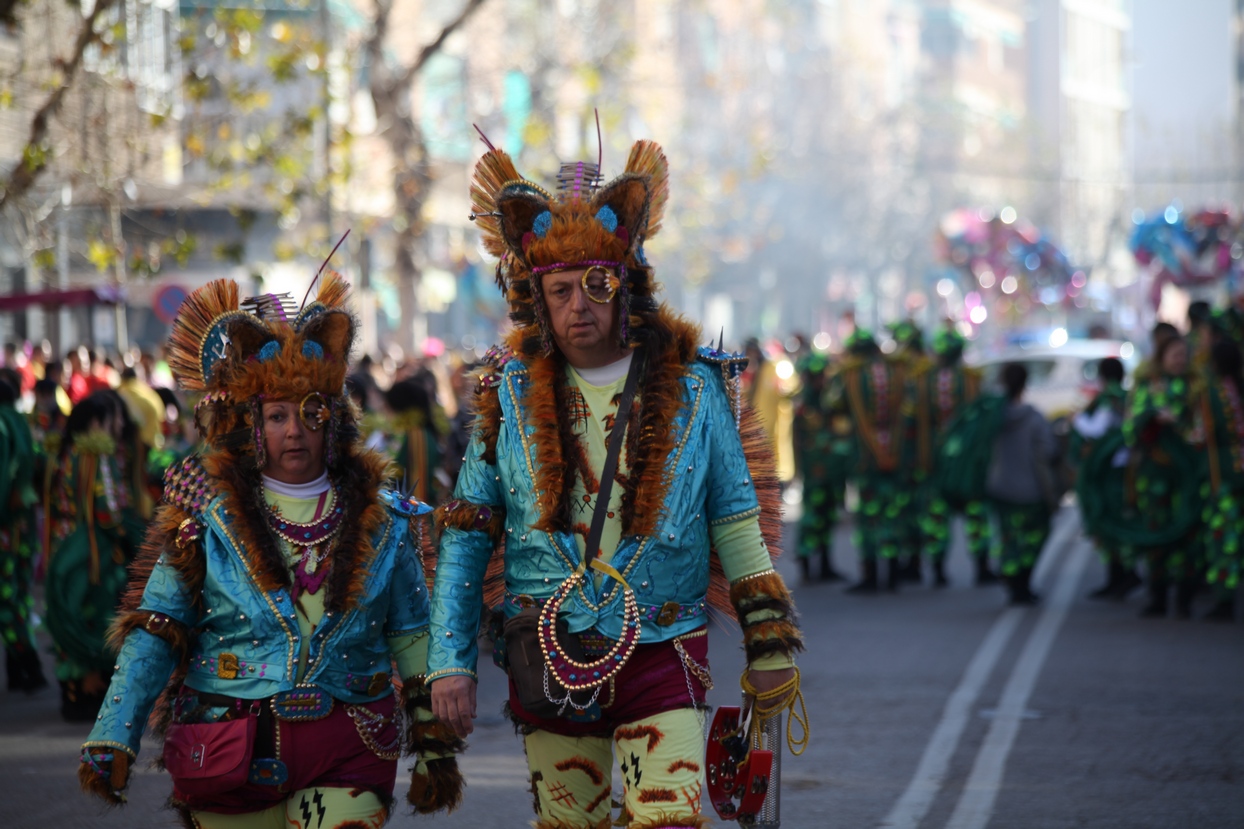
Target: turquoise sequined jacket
[
  {"x": 707, "y": 483},
  {"x": 244, "y": 642}
]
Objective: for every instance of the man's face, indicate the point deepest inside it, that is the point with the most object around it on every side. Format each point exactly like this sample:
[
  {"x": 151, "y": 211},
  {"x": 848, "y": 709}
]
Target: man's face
[
  {"x": 295, "y": 452},
  {"x": 584, "y": 328}
]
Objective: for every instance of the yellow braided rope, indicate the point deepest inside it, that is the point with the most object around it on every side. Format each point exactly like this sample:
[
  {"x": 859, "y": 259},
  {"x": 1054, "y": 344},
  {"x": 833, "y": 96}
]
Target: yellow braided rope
[{"x": 790, "y": 694}]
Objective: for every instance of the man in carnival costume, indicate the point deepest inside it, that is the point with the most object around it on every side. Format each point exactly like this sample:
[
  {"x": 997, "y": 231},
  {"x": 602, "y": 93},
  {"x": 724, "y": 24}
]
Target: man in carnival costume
[
  {"x": 278, "y": 584},
  {"x": 940, "y": 392},
  {"x": 869, "y": 392},
  {"x": 689, "y": 524}
]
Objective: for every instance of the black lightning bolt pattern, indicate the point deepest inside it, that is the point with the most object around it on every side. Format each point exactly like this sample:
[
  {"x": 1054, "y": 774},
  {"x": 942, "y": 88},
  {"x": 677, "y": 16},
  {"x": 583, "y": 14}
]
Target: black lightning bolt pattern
[
  {"x": 306, "y": 812},
  {"x": 638, "y": 773},
  {"x": 319, "y": 807}
]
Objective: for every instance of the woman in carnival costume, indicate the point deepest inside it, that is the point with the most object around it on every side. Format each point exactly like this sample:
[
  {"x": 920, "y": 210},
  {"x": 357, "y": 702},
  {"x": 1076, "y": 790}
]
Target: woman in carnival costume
[
  {"x": 93, "y": 534},
  {"x": 1160, "y": 420},
  {"x": 690, "y": 522},
  {"x": 277, "y": 587}
]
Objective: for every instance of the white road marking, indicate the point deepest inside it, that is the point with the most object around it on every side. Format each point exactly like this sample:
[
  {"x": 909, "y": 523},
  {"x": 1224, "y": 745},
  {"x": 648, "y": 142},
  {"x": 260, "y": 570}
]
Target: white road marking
[
  {"x": 976, "y": 803},
  {"x": 914, "y": 804}
]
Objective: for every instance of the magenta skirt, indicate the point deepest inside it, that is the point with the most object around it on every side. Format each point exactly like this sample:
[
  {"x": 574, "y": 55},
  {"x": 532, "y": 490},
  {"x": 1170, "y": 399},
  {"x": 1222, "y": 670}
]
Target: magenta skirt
[{"x": 326, "y": 753}]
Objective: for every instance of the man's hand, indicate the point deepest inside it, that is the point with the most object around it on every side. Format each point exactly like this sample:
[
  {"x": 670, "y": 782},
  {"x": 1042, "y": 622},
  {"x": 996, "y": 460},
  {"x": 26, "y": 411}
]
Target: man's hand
[
  {"x": 453, "y": 702},
  {"x": 765, "y": 681}
]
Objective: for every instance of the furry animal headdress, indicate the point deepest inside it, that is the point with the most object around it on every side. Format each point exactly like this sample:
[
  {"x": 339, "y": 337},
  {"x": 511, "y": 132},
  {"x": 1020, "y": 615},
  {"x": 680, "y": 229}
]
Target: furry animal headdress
[
  {"x": 239, "y": 353},
  {"x": 535, "y": 232}
]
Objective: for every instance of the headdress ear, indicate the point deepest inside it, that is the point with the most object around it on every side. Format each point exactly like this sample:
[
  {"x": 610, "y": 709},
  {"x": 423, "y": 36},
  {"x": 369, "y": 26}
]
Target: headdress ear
[
  {"x": 647, "y": 160},
  {"x": 211, "y": 330},
  {"x": 247, "y": 336},
  {"x": 333, "y": 331},
  {"x": 525, "y": 216},
  {"x": 622, "y": 206}
]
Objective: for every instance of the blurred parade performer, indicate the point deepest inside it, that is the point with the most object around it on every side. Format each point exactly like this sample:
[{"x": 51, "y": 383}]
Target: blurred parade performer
[
  {"x": 1223, "y": 491},
  {"x": 908, "y": 350},
  {"x": 821, "y": 467},
  {"x": 459, "y": 437},
  {"x": 1021, "y": 485},
  {"x": 1100, "y": 418},
  {"x": 277, "y": 587},
  {"x": 94, "y": 533},
  {"x": 631, "y": 608},
  {"x": 417, "y": 449},
  {"x": 939, "y": 394},
  {"x": 18, "y": 496},
  {"x": 869, "y": 391},
  {"x": 1161, "y": 411}
]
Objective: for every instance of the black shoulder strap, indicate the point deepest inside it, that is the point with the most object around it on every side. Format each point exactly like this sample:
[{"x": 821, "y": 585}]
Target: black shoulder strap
[{"x": 611, "y": 459}]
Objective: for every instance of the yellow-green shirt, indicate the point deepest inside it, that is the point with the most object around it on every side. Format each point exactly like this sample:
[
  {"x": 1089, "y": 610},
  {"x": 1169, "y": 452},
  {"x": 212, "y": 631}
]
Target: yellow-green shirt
[
  {"x": 410, "y": 650},
  {"x": 739, "y": 544}
]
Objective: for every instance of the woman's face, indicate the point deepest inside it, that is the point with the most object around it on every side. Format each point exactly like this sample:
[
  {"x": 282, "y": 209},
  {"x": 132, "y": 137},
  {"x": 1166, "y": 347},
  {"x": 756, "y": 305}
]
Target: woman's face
[
  {"x": 1175, "y": 359},
  {"x": 295, "y": 453}
]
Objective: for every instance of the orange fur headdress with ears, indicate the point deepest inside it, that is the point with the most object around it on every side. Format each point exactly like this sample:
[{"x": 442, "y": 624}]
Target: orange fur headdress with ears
[
  {"x": 239, "y": 353},
  {"x": 585, "y": 223}
]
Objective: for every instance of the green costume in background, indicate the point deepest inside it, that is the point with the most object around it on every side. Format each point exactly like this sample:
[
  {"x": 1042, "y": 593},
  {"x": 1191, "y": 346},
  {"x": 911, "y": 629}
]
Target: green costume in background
[
  {"x": 1161, "y": 412},
  {"x": 1100, "y": 421},
  {"x": 869, "y": 391},
  {"x": 1223, "y": 492},
  {"x": 18, "y": 497},
  {"x": 939, "y": 394},
  {"x": 95, "y": 534},
  {"x": 822, "y": 459},
  {"x": 418, "y": 455}
]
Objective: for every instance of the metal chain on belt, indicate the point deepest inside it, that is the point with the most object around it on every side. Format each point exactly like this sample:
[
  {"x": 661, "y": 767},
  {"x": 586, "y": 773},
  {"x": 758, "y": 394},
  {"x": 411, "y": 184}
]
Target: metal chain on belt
[{"x": 369, "y": 725}]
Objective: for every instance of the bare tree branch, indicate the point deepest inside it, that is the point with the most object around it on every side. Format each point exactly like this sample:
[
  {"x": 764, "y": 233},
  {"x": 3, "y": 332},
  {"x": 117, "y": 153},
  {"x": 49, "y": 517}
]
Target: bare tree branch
[
  {"x": 435, "y": 46},
  {"x": 412, "y": 178},
  {"x": 31, "y": 162}
]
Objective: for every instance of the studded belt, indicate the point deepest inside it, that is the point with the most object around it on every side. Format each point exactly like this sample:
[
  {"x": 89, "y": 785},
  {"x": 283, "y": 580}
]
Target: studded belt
[{"x": 662, "y": 614}]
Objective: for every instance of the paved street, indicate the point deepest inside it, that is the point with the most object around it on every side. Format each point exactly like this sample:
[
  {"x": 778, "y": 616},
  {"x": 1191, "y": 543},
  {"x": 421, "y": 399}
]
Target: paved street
[{"x": 929, "y": 709}]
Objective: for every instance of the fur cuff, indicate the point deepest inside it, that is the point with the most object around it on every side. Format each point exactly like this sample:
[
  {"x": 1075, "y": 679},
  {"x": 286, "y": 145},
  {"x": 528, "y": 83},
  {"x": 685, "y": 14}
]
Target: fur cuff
[
  {"x": 463, "y": 515},
  {"x": 436, "y": 784},
  {"x": 108, "y": 789},
  {"x": 157, "y": 624},
  {"x": 766, "y": 611}
]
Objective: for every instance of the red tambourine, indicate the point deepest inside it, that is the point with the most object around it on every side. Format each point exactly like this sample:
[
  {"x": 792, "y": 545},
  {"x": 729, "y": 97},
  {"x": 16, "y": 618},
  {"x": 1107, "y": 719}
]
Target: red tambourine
[{"x": 738, "y": 779}]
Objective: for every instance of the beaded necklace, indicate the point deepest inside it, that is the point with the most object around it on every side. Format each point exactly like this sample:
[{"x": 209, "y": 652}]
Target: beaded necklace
[{"x": 313, "y": 539}]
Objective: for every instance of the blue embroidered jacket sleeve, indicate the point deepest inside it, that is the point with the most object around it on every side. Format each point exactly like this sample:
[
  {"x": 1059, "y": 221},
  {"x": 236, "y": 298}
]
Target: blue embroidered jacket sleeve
[
  {"x": 144, "y": 665},
  {"x": 408, "y": 593},
  {"x": 458, "y": 592},
  {"x": 731, "y": 494}
]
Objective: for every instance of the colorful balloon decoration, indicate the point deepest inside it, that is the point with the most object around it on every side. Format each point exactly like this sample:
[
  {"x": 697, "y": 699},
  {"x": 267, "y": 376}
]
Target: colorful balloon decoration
[
  {"x": 1000, "y": 254},
  {"x": 1188, "y": 249}
]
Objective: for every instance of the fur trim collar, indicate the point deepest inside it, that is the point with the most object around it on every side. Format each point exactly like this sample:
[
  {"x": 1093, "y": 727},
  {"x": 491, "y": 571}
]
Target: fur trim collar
[
  {"x": 669, "y": 350},
  {"x": 358, "y": 486}
]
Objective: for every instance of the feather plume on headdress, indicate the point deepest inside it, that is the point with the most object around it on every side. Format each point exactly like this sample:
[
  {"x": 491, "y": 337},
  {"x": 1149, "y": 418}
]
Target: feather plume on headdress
[{"x": 197, "y": 320}]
